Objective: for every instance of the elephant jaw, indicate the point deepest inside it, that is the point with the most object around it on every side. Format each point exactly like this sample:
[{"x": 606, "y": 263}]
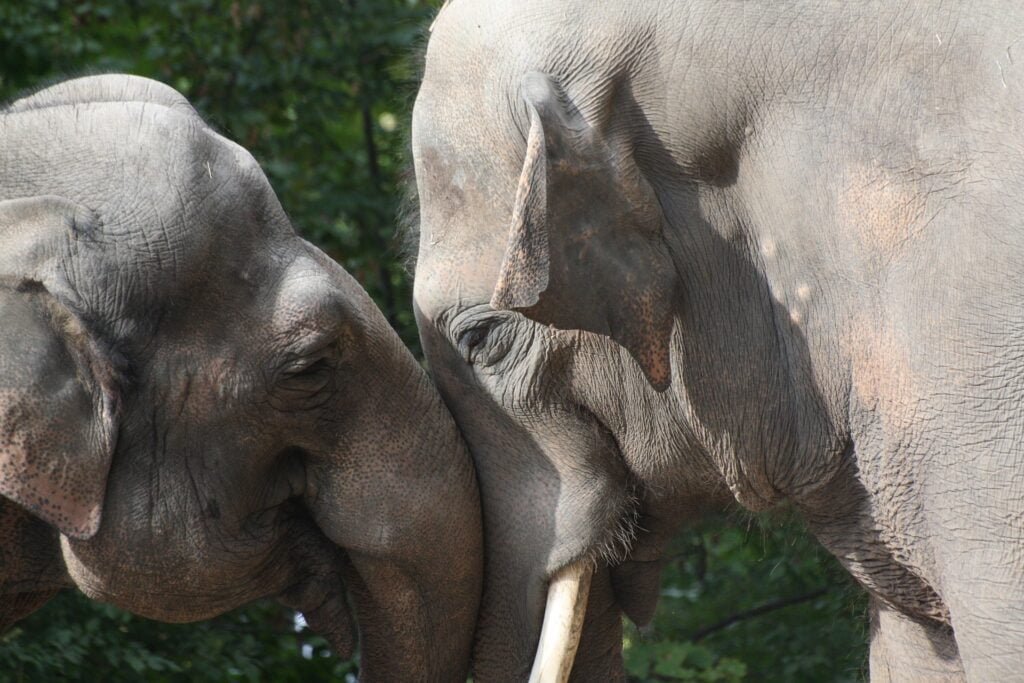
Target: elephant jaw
[
  {"x": 172, "y": 593},
  {"x": 563, "y": 623},
  {"x": 177, "y": 592}
]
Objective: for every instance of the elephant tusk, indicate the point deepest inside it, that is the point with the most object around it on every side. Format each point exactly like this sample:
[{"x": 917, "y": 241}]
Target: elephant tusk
[{"x": 563, "y": 623}]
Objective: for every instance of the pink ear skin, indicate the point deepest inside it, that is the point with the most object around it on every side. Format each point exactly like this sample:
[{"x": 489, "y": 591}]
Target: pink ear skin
[
  {"x": 585, "y": 248},
  {"x": 57, "y": 417},
  {"x": 524, "y": 271}
]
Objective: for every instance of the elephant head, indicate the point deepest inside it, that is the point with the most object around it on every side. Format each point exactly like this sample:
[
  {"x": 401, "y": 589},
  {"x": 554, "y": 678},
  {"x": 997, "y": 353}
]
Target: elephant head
[
  {"x": 198, "y": 408},
  {"x": 593, "y": 317}
]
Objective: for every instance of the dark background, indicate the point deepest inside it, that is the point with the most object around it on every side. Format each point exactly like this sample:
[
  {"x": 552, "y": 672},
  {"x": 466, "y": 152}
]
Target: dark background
[{"x": 320, "y": 91}]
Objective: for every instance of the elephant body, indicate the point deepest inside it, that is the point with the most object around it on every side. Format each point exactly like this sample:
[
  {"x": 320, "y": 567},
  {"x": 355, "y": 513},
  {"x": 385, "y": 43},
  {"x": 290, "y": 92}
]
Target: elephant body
[
  {"x": 683, "y": 254},
  {"x": 198, "y": 408}
]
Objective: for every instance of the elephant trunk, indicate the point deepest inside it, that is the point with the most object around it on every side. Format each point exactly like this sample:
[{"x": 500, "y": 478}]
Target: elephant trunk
[
  {"x": 569, "y": 628},
  {"x": 404, "y": 507},
  {"x": 412, "y": 623}
]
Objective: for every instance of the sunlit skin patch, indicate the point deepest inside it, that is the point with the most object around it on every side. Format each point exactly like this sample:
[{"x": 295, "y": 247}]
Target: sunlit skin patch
[
  {"x": 881, "y": 374},
  {"x": 886, "y": 210}
]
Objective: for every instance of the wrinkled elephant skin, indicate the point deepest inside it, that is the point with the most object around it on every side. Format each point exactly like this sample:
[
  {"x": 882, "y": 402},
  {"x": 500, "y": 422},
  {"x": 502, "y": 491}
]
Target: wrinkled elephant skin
[
  {"x": 683, "y": 254},
  {"x": 198, "y": 408}
]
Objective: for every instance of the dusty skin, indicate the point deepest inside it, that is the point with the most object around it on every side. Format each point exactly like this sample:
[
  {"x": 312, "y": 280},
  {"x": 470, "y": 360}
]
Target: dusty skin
[
  {"x": 679, "y": 254},
  {"x": 198, "y": 408}
]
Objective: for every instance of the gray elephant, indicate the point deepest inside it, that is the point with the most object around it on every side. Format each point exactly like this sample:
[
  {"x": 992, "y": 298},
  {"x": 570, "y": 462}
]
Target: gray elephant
[
  {"x": 678, "y": 254},
  {"x": 198, "y": 408}
]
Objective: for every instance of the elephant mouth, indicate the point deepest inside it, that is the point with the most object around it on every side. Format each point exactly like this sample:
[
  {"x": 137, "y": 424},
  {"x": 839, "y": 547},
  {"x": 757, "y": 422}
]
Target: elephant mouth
[
  {"x": 317, "y": 590},
  {"x": 333, "y": 621},
  {"x": 287, "y": 559},
  {"x": 622, "y": 533},
  {"x": 567, "y": 599}
]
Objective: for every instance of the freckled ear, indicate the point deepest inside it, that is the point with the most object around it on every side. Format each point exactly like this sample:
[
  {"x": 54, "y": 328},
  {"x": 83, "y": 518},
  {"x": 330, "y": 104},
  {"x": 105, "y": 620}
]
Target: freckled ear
[
  {"x": 585, "y": 248},
  {"x": 524, "y": 271},
  {"x": 58, "y": 404}
]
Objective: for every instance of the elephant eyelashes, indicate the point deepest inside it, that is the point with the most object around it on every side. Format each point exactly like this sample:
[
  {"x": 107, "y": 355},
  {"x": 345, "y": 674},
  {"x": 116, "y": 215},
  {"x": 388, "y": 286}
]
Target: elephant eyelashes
[
  {"x": 483, "y": 344},
  {"x": 310, "y": 385},
  {"x": 313, "y": 373},
  {"x": 471, "y": 343}
]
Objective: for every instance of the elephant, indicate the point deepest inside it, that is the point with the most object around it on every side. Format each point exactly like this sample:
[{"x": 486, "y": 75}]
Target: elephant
[
  {"x": 685, "y": 255},
  {"x": 198, "y": 408}
]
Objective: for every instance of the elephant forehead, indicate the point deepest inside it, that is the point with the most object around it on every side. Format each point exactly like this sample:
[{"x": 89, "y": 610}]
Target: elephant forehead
[
  {"x": 177, "y": 203},
  {"x": 467, "y": 167},
  {"x": 465, "y": 217},
  {"x": 145, "y": 168}
]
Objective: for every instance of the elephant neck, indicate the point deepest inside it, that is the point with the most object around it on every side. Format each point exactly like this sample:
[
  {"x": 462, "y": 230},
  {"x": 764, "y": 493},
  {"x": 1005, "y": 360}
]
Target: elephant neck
[{"x": 782, "y": 225}]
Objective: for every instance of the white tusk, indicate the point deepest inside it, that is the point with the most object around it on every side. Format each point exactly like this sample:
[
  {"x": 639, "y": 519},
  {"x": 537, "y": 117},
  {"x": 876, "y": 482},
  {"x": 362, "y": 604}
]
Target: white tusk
[{"x": 563, "y": 623}]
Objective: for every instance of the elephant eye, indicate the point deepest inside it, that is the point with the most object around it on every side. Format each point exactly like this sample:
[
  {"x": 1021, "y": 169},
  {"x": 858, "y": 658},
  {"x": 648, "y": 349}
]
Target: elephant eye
[
  {"x": 471, "y": 341},
  {"x": 308, "y": 383},
  {"x": 483, "y": 344},
  {"x": 315, "y": 371}
]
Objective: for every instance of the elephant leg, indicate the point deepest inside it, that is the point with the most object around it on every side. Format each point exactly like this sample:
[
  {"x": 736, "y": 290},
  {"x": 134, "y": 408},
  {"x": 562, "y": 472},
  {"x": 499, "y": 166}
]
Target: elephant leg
[
  {"x": 904, "y": 649},
  {"x": 986, "y": 607}
]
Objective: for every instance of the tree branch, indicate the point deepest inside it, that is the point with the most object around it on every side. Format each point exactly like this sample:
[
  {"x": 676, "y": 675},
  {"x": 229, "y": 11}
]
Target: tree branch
[
  {"x": 376, "y": 182},
  {"x": 756, "y": 612}
]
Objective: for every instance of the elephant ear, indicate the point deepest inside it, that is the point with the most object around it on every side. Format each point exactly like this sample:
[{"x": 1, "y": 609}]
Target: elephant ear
[
  {"x": 57, "y": 399},
  {"x": 586, "y": 249}
]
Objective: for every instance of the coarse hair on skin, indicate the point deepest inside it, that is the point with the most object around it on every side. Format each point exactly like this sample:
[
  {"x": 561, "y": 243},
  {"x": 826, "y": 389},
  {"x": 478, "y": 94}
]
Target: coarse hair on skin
[
  {"x": 619, "y": 541},
  {"x": 27, "y": 99},
  {"x": 68, "y": 91},
  {"x": 408, "y": 217},
  {"x": 28, "y": 92},
  {"x": 408, "y": 214}
]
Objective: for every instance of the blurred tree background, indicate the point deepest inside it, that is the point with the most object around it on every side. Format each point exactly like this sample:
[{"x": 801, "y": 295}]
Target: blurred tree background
[{"x": 320, "y": 91}]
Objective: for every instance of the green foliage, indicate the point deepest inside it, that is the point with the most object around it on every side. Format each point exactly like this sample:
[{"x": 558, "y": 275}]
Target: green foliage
[
  {"x": 679, "y": 661},
  {"x": 320, "y": 92},
  {"x": 760, "y": 602},
  {"x": 73, "y": 639}
]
